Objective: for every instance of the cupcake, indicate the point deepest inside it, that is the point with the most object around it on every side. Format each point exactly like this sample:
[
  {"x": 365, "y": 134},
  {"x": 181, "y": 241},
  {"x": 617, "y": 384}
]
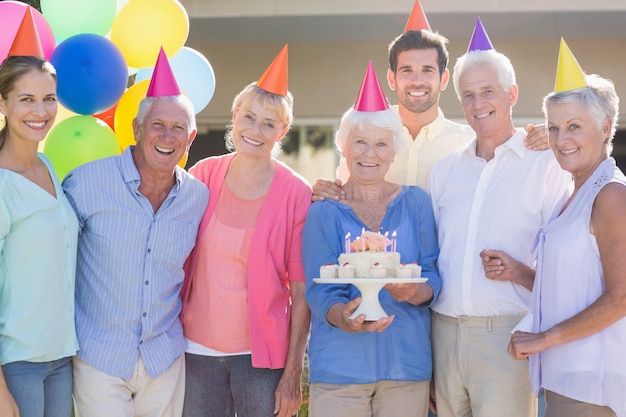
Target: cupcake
[
  {"x": 345, "y": 271},
  {"x": 378, "y": 271},
  {"x": 328, "y": 271}
]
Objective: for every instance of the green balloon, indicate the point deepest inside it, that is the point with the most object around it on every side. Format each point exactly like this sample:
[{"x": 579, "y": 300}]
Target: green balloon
[
  {"x": 77, "y": 140},
  {"x": 71, "y": 17}
]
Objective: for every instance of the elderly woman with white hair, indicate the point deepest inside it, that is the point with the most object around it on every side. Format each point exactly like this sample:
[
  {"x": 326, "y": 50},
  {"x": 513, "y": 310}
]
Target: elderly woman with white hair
[
  {"x": 360, "y": 367},
  {"x": 576, "y": 342}
]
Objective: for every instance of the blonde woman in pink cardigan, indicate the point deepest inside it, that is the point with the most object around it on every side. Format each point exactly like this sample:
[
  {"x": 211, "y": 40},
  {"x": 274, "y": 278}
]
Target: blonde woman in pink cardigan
[{"x": 244, "y": 314}]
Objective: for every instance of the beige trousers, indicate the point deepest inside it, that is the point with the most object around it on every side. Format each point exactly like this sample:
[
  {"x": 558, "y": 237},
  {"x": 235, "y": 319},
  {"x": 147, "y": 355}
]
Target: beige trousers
[
  {"x": 382, "y": 399},
  {"x": 97, "y": 394},
  {"x": 474, "y": 374}
]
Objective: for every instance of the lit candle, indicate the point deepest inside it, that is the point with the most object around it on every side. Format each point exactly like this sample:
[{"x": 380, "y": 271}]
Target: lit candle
[
  {"x": 348, "y": 242},
  {"x": 393, "y": 241}
]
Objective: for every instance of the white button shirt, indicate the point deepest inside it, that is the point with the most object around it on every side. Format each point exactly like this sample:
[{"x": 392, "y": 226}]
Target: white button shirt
[
  {"x": 496, "y": 204},
  {"x": 412, "y": 166}
]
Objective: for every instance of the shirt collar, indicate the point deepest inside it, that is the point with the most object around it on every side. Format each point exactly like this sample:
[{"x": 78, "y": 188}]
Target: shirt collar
[
  {"x": 129, "y": 171},
  {"x": 432, "y": 129},
  {"x": 514, "y": 143}
]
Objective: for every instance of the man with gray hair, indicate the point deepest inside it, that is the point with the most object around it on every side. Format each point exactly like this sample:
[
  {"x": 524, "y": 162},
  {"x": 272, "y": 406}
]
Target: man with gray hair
[
  {"x": 139, "y": 214},
  {"x": 492, "y": 194}
]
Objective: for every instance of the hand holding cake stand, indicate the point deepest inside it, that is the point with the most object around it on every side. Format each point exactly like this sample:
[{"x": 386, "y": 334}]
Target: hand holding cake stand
[{"x": 370, "y": 289}]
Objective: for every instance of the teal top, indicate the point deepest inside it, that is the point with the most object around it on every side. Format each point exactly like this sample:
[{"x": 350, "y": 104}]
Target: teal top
[{"x": 38, "y": 237}]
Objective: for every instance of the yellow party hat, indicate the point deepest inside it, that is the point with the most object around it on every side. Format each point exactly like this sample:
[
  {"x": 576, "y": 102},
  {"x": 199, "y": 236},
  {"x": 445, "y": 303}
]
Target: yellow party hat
[{"x": 569, "y": 75}]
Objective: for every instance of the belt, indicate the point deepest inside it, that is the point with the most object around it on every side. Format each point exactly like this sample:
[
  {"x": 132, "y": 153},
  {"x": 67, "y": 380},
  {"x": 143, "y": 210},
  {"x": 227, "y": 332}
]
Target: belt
[{"x": 488, "y": 322}]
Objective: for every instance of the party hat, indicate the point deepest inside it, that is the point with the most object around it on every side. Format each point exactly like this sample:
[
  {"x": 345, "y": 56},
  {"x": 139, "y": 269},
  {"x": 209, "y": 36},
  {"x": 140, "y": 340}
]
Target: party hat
[
  {"x": 480, "y": 40},
  {"x": 417, "y": 19},
  {"x": 26, "y": 42},
  {"x": 275, "y": 77},
  {"x": 569, "y": 75},
  {"x": 371, "y": 97},
  {"x": 163, "y": 82}
]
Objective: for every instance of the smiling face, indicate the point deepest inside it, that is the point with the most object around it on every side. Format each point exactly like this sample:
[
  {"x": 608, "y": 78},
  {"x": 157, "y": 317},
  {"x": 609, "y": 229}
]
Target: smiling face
[
  {"x": 163, "y": 137},
  {"x": 30, "y": 107},
  {"x": 575, "y": 138},
  {"x": 417, "y": 81},
  {"x": 369, "y": 152},
  {"x": 486, "y": 104},
  {"x": 256, "y": 129}
]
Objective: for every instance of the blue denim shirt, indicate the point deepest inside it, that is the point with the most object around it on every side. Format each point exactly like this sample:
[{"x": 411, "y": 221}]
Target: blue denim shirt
[
  {"x": 130, "y": 265},
  {"x": 402, "y": 351}
]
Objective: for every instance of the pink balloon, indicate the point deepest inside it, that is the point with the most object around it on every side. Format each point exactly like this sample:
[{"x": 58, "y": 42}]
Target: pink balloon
[{"x": 11, "y": 15}]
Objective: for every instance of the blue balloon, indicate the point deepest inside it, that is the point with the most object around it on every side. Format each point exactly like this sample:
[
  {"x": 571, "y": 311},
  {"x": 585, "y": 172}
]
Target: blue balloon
[
  {"x": 194, "y": 74},
  {"x": 92, "y": 73}
]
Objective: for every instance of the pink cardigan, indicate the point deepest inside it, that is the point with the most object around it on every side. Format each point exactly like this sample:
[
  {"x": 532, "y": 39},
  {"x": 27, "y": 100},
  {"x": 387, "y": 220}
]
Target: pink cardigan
[{"x": 275, "y": 257}]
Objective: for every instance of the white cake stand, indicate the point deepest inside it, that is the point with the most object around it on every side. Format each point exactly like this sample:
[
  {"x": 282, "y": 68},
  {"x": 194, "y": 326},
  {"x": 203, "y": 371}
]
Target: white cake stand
[{"x": 369, "y": 287}]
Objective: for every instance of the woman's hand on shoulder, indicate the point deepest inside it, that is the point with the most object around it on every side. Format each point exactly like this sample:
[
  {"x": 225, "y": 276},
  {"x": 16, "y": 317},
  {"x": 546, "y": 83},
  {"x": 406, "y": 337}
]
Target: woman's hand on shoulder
[{"x": 339, "y": 316}]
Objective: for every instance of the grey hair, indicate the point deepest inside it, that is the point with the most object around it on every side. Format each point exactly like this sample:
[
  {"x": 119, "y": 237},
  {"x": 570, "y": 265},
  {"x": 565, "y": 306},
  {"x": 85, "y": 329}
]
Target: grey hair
[
  {"x": 599, "y": 96},
  {"x": 385, "y": 119},
  {"x": 146, "y": 104},
  {"x": 490, "y": 58}
]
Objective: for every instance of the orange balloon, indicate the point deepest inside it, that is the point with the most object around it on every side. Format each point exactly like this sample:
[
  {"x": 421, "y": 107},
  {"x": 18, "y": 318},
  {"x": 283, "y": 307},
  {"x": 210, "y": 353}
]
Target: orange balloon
[{"x": 108, "y": 116}]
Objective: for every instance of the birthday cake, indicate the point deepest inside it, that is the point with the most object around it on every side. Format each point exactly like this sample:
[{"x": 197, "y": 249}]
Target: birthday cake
[{"x": 368, "y": 257}]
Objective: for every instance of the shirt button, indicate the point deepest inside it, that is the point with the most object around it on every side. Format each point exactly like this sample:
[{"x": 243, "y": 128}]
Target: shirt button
[
  {"x": 147, "y": 282},
  {"x": 149, "y": 250},
  {"x": 145, "y": 314}
]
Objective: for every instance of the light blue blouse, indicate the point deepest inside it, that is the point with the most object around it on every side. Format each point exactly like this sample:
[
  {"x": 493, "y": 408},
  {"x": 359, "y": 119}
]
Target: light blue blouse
[{"x": 38, "y": 237}]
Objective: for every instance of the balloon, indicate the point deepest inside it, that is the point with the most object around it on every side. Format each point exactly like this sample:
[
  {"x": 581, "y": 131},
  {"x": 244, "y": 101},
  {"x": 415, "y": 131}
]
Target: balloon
[
  {"x": 194, "y": 74},
  {"x": 71, "y": 17},
  {"x": 141, "y": 27},
  {"x": 62, "y": 114},
  {"x": 11, "y": 15},
  {"x": 107, "y": 116},
  {"x": 78, "y": 140},
  {"x": 91, "y": 71},
  {"x": 126, "y": 111}
]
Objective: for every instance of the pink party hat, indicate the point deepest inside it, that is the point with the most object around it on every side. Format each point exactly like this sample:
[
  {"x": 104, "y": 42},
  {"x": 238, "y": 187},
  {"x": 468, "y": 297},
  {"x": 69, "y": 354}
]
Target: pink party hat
[
  {"x": 275, "y": 77},
  {"x": 27, "y": 41},
  {"x": 417, "y": 19},
  {"x": 480, "y": 40},
  {"x": 371, "y": 97},
  {"x": 163, "y": 82},
  {"x": 569, "y": 74}
]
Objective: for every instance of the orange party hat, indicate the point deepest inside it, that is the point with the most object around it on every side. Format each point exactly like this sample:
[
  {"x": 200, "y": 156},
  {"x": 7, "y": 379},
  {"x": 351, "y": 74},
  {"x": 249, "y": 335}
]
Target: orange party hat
[
  {"x": 26, "y": 42},
  {"x": 163, "y": 82},
  {"x": 371, "y": 97},
  {"x": 417, "y": 19},
  {"x": 275, "y": 77},
  {"x": 569, "y": 74}
]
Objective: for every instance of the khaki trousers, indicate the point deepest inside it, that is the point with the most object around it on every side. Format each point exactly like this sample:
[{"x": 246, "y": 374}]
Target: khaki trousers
[
  {"x": 97, "y": 394},
  {"x": 473, "y": 372},
  {"x": 558, "y": 405},
  {"x": 382, "y": 399}
]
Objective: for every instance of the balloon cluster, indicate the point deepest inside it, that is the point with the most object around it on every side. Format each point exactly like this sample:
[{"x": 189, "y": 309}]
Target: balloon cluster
[{"x": 94, "y": 46}]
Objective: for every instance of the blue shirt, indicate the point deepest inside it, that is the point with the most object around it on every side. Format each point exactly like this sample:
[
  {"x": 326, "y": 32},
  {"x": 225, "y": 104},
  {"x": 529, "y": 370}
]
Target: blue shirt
[
  {"x": 402, "y": 351},
  {"x": 38, "y": 235},
  {"x": 130, "y": 265}
]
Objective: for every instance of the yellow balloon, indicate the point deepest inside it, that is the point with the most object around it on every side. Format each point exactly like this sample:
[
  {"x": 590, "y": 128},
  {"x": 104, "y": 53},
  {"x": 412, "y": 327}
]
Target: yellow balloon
[
  {"x": 127, "y": 110},
  {"x": 183, "y": 161},
  {"x": 142, "y": 26}
]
